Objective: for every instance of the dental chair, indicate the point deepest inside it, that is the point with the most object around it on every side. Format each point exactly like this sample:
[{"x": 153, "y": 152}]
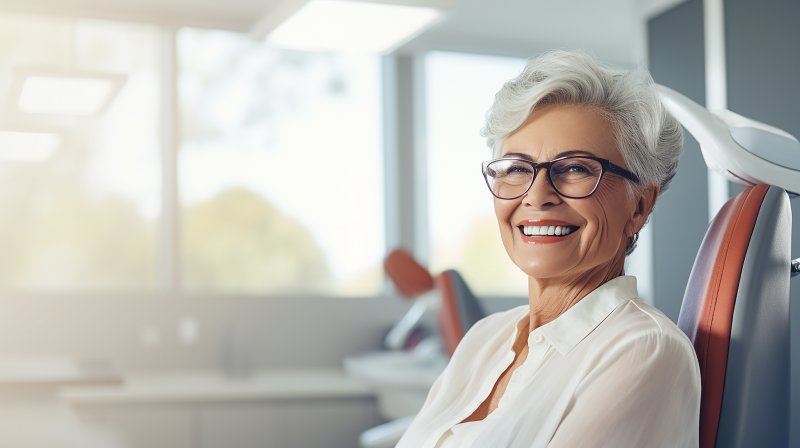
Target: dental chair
[
  {"x": 460, "y": 309},
  {"x": 736, "y": 306},
  {"x": 736, "y": 311},
  {"x": 457, "y": 307}
]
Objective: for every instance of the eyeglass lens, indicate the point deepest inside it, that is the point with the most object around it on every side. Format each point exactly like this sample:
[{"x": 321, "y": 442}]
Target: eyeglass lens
[{"x": 572, "y": 177}]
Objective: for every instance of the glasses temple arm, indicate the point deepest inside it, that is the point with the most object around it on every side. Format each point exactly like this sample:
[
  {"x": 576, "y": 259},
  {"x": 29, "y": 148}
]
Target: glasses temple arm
[{"x": 622, "y": 172}]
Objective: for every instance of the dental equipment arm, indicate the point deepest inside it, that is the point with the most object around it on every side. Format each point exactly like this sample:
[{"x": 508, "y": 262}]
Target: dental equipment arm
[{"x": 743, "y": 150}]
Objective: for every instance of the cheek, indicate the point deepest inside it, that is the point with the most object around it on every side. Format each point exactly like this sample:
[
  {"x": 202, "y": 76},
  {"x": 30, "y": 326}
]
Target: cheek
[
  {"x": 503, "y": 211},
  {"x": 607, "y": 214}
]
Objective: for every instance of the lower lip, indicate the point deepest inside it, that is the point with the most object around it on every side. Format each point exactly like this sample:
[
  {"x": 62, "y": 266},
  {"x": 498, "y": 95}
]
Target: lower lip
[{"x": 545, "y": 239}]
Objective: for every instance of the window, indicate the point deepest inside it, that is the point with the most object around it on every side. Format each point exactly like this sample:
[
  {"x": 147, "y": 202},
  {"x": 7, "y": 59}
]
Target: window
[
  {"x": 463, "y": 231},
  {"x": 280, "y": 168},
  {"x": 280, "y": 162},
  {"x": 82, "y": 214}
]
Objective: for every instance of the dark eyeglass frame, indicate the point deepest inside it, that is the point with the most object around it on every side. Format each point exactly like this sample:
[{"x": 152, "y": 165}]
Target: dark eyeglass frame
[{"x": 605, "y": 165}]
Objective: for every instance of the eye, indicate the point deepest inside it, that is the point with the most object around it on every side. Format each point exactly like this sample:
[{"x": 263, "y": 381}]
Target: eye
[
  {"x": 518, "y": 168},
  {"x": 509, "y": 168},
  {"x": 571, "y": 168},
  {"x": 576, "y": 169}
]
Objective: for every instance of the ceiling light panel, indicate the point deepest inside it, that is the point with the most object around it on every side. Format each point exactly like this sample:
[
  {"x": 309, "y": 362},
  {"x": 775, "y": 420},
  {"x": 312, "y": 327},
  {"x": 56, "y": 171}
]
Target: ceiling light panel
[
  {"x": 65, "y": 92},
  {"x": 336, "y": 25}
]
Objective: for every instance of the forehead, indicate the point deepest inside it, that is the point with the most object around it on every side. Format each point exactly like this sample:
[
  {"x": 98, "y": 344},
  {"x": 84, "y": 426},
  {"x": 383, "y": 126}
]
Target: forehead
[{"x": 557, "y": 128}]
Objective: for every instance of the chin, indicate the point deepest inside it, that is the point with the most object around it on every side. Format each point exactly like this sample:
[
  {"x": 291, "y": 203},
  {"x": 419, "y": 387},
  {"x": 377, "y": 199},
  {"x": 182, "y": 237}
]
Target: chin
[{"x": 542, "y": 268}]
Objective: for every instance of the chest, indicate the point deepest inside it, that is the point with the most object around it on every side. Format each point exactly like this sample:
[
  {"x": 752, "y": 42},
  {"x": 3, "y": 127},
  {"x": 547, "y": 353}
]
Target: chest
[{"x": 492, "y": 401}]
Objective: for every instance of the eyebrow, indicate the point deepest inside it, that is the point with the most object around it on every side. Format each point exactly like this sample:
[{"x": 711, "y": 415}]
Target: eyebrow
[{"x": 520, "y": 155}]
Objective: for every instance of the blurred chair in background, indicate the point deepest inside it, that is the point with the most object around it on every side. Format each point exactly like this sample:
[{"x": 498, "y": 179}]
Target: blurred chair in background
[{"x": 460, "y": 309}]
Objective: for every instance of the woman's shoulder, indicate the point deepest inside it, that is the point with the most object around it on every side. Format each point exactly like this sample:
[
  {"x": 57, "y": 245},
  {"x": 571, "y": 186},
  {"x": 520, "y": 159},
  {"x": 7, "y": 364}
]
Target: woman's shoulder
[
  {"x": 642, "y": 340},
  {"x": 641, "y": 324},
  {"x": 649, "y": 319}
]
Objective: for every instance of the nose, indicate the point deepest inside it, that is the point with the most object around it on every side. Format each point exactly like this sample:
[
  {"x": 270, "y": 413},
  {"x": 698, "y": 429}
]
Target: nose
[{"x": 541, "y": 194}]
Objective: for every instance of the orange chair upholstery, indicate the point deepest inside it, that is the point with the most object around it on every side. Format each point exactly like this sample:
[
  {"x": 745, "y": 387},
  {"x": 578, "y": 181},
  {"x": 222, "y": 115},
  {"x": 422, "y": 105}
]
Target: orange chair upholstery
[{"x": 409, "y": 277}]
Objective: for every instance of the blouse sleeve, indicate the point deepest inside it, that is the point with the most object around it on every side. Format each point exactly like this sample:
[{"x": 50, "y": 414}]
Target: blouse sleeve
[{"x": 645, "y": 393}]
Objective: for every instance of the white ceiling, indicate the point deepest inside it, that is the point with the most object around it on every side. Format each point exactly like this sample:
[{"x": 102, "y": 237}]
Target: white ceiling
[
  {"x": 610, "y": 29},
  {"x": 607, "y": 28}
]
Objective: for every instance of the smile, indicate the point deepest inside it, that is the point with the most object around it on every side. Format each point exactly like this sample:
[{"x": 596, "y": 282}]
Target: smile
[{"x": 547, "y": 230}]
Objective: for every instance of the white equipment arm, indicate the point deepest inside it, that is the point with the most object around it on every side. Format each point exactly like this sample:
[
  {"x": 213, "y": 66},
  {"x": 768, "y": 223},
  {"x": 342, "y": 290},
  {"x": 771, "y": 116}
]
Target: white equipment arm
[{"x": 743, "y": 150}]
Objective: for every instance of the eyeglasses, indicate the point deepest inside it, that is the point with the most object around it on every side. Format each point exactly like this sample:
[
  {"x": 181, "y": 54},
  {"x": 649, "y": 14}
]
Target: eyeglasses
[{"x": 572, "y": 177}]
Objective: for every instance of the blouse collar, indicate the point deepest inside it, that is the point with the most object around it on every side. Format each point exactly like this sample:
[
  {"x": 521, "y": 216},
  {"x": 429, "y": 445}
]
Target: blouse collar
[{"x": 571, "y": 327}]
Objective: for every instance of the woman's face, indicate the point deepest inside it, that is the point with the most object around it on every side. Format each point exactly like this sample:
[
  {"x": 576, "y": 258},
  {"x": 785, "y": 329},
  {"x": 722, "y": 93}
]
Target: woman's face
[{"x": 605, "y": 220}]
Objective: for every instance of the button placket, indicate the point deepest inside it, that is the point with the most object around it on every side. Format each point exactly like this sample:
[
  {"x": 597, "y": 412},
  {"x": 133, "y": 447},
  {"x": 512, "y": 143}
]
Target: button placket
[
  {"x": 523, "y": 374},
  {"x": 537, "y": 348}
]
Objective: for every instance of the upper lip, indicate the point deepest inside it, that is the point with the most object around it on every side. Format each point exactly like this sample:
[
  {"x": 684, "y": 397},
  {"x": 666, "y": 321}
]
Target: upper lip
[{"x": 544, "y": 222}]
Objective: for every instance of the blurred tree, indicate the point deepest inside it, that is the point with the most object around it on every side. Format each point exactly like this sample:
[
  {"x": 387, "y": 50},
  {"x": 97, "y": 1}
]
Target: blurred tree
[
  {"x": 68, "y": 242},
  {"x": 238, "y": 242}
]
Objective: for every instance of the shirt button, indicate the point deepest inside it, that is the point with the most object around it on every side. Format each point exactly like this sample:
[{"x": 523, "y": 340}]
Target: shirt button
[{"x": 537, "y": 338}]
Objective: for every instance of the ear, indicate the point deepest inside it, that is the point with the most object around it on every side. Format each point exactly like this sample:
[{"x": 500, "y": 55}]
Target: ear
[{"x": 645, "y": 202}]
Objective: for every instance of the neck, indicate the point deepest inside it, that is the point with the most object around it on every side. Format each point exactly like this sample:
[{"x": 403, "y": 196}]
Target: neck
[{"x": 549, "y": 298}]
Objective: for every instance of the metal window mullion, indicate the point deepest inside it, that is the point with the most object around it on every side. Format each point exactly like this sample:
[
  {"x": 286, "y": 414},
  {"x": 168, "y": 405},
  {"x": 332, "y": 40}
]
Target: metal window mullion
[
  {"x": 391, "y": 154},
  {"x": 419, "y": 163},
  {"x": 403, "y": 180},
  {"x": 404, "y": 159},
  {"x": 168, "y": 250}
]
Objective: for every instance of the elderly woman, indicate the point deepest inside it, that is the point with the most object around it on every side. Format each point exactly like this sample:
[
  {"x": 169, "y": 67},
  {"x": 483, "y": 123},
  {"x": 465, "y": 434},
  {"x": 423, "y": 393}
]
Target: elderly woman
[{"x": 581, "y": 154}]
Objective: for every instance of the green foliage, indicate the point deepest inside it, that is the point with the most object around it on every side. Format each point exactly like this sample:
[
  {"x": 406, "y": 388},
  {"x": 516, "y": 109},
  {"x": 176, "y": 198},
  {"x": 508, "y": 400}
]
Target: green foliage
[
  {"x": 238, "y": 242},
  {"x": 64, "y": 241}
]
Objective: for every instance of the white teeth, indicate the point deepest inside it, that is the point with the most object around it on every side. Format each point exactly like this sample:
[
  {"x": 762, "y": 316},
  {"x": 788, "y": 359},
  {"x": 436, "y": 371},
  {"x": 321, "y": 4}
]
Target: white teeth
[{"x": 548, "y": 230}]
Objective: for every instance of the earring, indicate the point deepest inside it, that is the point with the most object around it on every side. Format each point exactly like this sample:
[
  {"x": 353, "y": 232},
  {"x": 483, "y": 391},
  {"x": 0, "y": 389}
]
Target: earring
[{"x": 632, "y": 243}]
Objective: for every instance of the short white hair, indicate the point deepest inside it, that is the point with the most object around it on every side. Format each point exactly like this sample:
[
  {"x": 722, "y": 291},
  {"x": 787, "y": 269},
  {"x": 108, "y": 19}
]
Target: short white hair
[{"x": 649, "y": 139}]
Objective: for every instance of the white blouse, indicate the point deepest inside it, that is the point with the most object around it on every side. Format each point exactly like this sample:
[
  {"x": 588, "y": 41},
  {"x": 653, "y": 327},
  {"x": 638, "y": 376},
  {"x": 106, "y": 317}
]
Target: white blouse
[{"x": 611, "y": 371}]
